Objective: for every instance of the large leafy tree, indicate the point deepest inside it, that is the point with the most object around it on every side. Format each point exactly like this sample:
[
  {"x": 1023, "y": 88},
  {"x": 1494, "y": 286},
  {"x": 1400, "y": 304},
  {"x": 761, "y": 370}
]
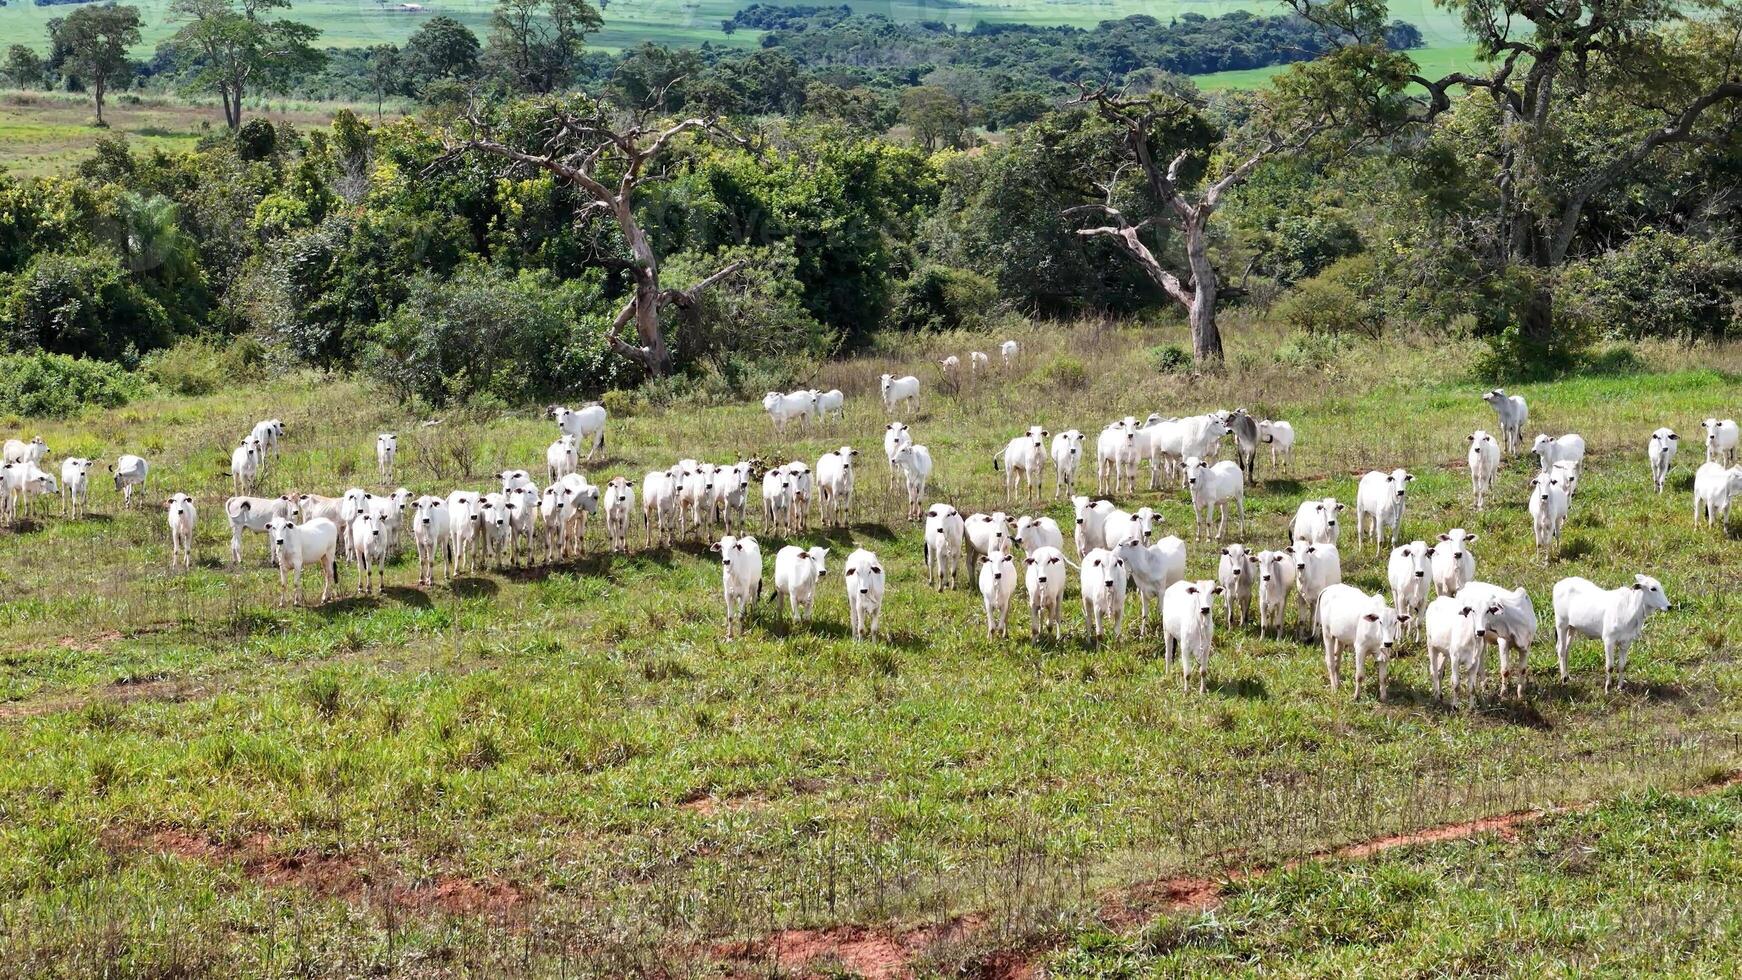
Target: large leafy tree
[
  {"x": 536, "y": 45},
  {"x": 232, "y": 46},
  {"x": 441, "y": 48},
  {"x": 96, "y": 40}
]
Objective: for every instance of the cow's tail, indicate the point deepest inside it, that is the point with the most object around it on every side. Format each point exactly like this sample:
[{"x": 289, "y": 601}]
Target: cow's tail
[{"x": 998, "y": 458}]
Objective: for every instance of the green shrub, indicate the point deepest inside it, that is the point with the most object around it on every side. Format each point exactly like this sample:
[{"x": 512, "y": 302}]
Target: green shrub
[
  {"x": 84, "y": 304},
  {"x": 1310, "y": 350},
  {"x": 1170, "y": 359},
  {"x": 199, "y": 366},
  {"x": 1064, "y": 373},
  {"x": 54, "y": 385},
  {"x": 1341, "y": 298},
  {"x": 938, "y": 297},
  {"x": 1659, "y": 284}
]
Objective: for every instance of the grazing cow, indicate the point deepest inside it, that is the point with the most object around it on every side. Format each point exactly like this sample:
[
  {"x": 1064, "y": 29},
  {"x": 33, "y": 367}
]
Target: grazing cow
[
  {"x": 1484, "y": 460},
  {"x": 777, "y": 501},
  {"x": 899, "y": 391},
  {"x": 18, "y": 451},
  {"x": 255, "y": 514},
  {"x": 832, "y": 400},
  {"x": 1407, "y": 573},
  {"x": 245, "y": 465},
  {"x": 1279, "y": 436},
  {"x": 20, "y": 485},
  {"x": 369, "y": 550},
  {"x": 619, "y": 506},
  {"x": 1454, "y": 564},
  {"x": 1381, "y": 497},
  {"x": 1091, "y": 519},
  {"x": 895, "y": 436},
  {"x": 1715, "y": 488},
  {"x": 1457, "y": 631},
  {"x": 1008, "y": 352},
  {"x": 1660, "y": 450},
  {"x": 659, "y": 501},
  {"x": 1067, "y": 455},
  {"x": 1103, "y": 580},
  {"x": 587, "y": 425},
  {"x": 299, "y": 545},
  {"x": 782, "y": 409},
  {"x": 865, "y": 587},
  {"x": 1023, "y": 459},
  {"x": 1034, "y": 533},
  {"x": 1721, "y": 438},
  {"x": 1317, "y": 567},
  {"x": 386, "y": 449},
  {"x": 1152, "y": 569},
  {"x": 1235, "y": 572},
  {"x": 1548, "y": 511},
  {"x": 561, "y": 458},
  {"x": 835, "y": 485},
  {"x": 915, "y": 465},
  {"x": 434, "y": 541},
  {"x": 1512, "y": 629},
  {"x": 1275, "y": 578},
  {"x": 1215, "y": 487},
  {"x": 796, "y": 573},
  {"x": 1569, "y": 448},
  {"x": 952, "y": 366},
  {"x": 997, "y": 587},
  {"x": 1245, "y": 430},
  {"x": 1513, "y": 415},
  {"x": 1116, "y": 458},
  {"x": 1350, "y": 618},
  {"x": 1315, "y": 521},
  {"x": 1044, "y": 579},
  {"x": 75, "y": 485},
  {"x": 465, "y": 525},
  {"x": 1615, "y": 616},
  {"x": 803, "y": 492},
  {"x": 740, "y": 578},
  {"x": 179, "y": 510},
  {"x": 978, "y": 363},
  {"x": 1120, "y": 525},
  {"x": 1188, "y": 622},
  {"x": 944, "y": 533}
]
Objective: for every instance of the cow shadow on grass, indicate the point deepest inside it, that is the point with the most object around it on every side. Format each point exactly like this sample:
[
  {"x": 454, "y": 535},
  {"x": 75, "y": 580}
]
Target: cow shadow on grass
[
  {"x": 471, "y": 586},
  {"x": 407, "y": 596},
  {"x": 782, "y": 627},
  {"x": 852, "y": 534},
  {"x": 1285, "y": 485},
  {"x": 1243, "y": 688}
]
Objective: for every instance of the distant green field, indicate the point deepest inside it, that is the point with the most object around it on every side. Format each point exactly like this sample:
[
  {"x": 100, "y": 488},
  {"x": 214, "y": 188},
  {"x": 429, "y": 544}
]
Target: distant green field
[{"x": 1433, "y": 61}]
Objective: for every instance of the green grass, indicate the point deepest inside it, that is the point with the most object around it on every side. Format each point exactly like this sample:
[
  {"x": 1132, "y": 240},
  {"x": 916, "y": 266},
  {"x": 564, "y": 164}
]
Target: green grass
[
  {"x": 583, "y": 735},
  {"x": 1432, "y": 61}
]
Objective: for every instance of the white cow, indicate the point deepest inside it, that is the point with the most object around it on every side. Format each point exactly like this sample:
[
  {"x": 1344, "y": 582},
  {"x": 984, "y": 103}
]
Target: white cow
[
  {"x": 659, "y": 502},
  {"x": 803, "y": 492},
  {"x": 1513, "y": 414},
  {"x": 75, "y": 485},
  {"x": 952, "y": 367},
  {"x": 1548, "y": 511},
  {"x": 1044, "y": 579},
  {"x": 1615, "y": 616},
  {"x": 1067, "y": 455},
  {"x": 1380, "y": 497},
  {"x": 865, "y": 589},
  {"x": 1171, "y": 442},
  {"x": 297, "y": 546},
  {"x": 587, "y": 425},
  {"x": 1352, "y": 619},
  {"x": 1103, "y": 581},
  {"x": 978, "y": 363},
  {"x": 777, "y": 501},
  {"x": 1034, "y": 533},
  {"x": 20, "y": 485},
  {"x": 1317, "y": 567},
  {"x": 997, "y": 588},
  {"x": 899, "y": 391},
  {"x": 1407, "y": 573},
  {"x": 523, "y": 512},
  {"x": 1454, "y": 564},
  {"x": 782, "y": 409},
  {"x": 1120, "y": 525},
  {"x": 1721, "y": 438},
  {"x": 255, "y": 514},
  {"x": 944, "y": 533},
  {"x": 1023, "y": 459},
  {"x": 269, "y": 432},
  {"x": 1569, "y": 448},
  {"x": 1116, "y": 458},
  {"x": 245, "y": 465},
  {"x": 465, "y": 526},
  {"x": 386, "y": 449},
  {"x": 1715, "y": 488},
  {"x": 1091, "y": 519},
  {"x": 835, "y": 485},
  {"x": 369, "y": 550},
  {"x": 895, "y": 436},
  {"x": 1215, "y": 487},
  {"x": 832, "y": 400},
  {"x": 1457, "y": 632},
  {"x": 1152, "y": 569},
  {"x": 1484, "y": 461},
  {"x": 740, "y": 578},
  {"x": 732, "y": 493},
  {"x": 495, "y": 529},
  {"x": 561, "y": 458},
  {"x": 1236, "y": 572},
  {"x": 1660, "y": 451},
  {"x": 130, "y": 471},
  {"x": 1315, "y": 521},
  {"x": 180, "y": 512},
  {"x": 1279, "y": 436},
  {"x": 18, "y": 451},
  {"x": 915, "y": 465},
  {"x": 619, "y": 508},
  {"x": 796, "y": 573},
  {"x": 987, "y": 533},
  {"x": 581, "y": 501},
  {"x": 1512, "y": 629},
  {"x": 695, "y": 500},
  {"x": 431, "y": 534},
  {"x": 1188, "y": 622},
  {"x": 1008, "y": 351},
  {"x": 1568, "y": 473},
  {"x": 553, "y": 512},
  {"x": 1275, "y": 579}
]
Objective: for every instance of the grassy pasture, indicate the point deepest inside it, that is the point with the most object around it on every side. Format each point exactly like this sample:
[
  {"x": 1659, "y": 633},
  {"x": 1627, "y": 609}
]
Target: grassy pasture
[{"x": 567, "y": 771}]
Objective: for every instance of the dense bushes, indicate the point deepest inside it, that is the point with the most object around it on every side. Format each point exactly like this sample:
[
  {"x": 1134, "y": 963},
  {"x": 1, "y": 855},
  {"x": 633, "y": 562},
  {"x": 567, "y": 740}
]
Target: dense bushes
[
  {"x": 1657, "y": 284},
  {"x": 55, "y": 385},
  {"x": 83, "y": 303},
  {"x": 200, "y": 366},
  {"x": 939, "y": 297}
]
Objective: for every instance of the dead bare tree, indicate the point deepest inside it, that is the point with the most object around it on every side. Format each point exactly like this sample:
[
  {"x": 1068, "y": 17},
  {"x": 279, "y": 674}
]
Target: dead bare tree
[
  {"x": 1196, "y": 289},
  {"x": 606, "y": 156}
]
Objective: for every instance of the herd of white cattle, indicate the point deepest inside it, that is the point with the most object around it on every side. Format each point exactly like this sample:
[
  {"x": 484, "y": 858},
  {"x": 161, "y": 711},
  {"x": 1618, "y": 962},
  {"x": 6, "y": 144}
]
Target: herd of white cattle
[{"x": 1117, "y": 551}]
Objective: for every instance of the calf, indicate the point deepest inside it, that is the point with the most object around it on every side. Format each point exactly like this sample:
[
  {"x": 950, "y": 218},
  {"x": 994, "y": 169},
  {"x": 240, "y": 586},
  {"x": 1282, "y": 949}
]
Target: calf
[
  {"x": 587, "y": 425},
  {"x": 1236, "y": 571},
  {"x": 1044, "y": 579},
  {"x": 1023, "y": 460},
  {"x": 902, "y": 391},
  {"x": 75, "y": 485},
  {"x": 944, "y": 531},
  {"x": 915, "y": 465},
  {"x": 619, "y": 506},
  {"x": 1715, "y": 488},
  {"x": 1548, "y": 511},
  {"x": 740, "y": 578},
  {"x": 255, "y": 514},
  {"x": 1215, "y": 487},
  {"x": 1103, "y": 587},
  {"x": 1034, "y": 533},
  {"x": 386, "y": 449},
  {"x": 369, "y": 550},
  {"x": 561, "y": 458},
  {"x": 1721, "y": 438},
  {"x": 431, "y": 535},
  {"x": 1457, "y": 632},
  {"x": 796, "y": 573},
  {"x": 1512, "y": 629},
  {"x": 1569, "y": 448},
  {"x": 803, "y": 492},
  {"x": 180, "y": 512},
  {"x": 1350, "y": 618},
  {"x": 1660, "y": 451},
  {"x": 659, "y": 500},
  {"x": 1513, "y": 415},
  {"x": 1067, "y": 455},
  {"x": 865, "y": 586},
  {"x": 299, "y": 545},
  {"x": 1454, "y": 563},
  {"x": 1615, "y": 616},
  {"x": 895, "y": 436},
  {"x": 1381, "y": 497},
  {"x": 1315, "y": 521},
  {"x": 835, "y": 485},
  {"x": 1407, "y": 572},
  {"x": 1317, "y": 567},
  {"x": 1152, "y": 569},
  {"x": 1279, "y": 436},
  {"x": 1188, "y": 623},
  {"x": 1275, "y": 578},
  {"x": 1091, "y": 519},
  {"x": 997, "y": 587},
  {"x": 1484, "y": 460}
]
